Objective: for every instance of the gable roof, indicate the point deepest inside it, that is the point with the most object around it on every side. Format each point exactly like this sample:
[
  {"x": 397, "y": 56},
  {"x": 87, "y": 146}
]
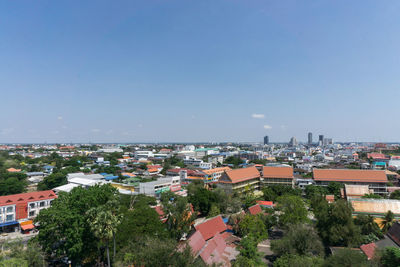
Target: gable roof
[
  {"x": 213, "y": 251},
  {"x": 26, "y": 197},
  {"x": 211, "y": 227},
  {"x": 219, "y": 169},
  {"x": 394, "y": 233},
  {"x": 240, "y": 175},
  {"x": 196, "y": 242},
  {"x": 277, "y": 172},
  {"x": 255, "y": 209},
  {"x": 348, "y": 175},
  {"x": 369, "y": 250}
]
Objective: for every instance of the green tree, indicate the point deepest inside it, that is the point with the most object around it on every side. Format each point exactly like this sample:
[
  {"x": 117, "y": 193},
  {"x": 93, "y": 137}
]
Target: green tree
[
  {"x": 388, "y": 221},
  {"x": 11, "y": 186},
  {"x": 103, "y": 223},
  {"x": 64, "y": 227},
  {"x": 390, "y": 257},
  {"x": 301, "y": 239},
  {"x": 335, "y": 224},
  {"x": 249, "y": 255},
  {"x": 253, "y": 225},
  {"x": 52, "y": 181},
  {"x": 346, "y": 258},
  {"x": 151, "y": 251},
  {"x": 235, "y": 161},
  {"x": 13, "y": 262},
  {"x": 293, "y": 260},
  {"x": 179, "y": 216},
  {"x": 293, "y": 210},
  {"x": 395, "y": 194},
  {"x": 369, "y": 228},
  {"x": 141, "y": 221}
]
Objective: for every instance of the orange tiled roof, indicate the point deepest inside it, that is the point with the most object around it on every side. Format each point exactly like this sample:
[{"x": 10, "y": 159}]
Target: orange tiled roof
[
  {"x": 220, "y": 169},
  {"x": 13, "y": 170},
  {"x": 339, "y": 175},
  {"x": 240, "y": 175},
  {"x": 278, "y": 172}
]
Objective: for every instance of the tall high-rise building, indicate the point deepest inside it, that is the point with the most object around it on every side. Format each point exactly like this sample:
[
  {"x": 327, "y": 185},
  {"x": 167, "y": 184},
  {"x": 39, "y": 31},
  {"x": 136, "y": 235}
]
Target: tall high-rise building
[
  {"x": 309, "y": 138},
  {"x": 320, "y": 140},
  {"x": 266, "y": 140},
  {"x": 293, "y": 142}
]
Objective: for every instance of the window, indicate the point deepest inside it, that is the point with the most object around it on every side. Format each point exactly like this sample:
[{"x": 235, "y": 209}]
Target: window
[
  {"x": 9, "y": 217},
  {"x": 42, "y": 204},
  {"x": 32, "y": 205},
  {"x": 31, "y": 213},
  {"x": 10, "y": 209}
]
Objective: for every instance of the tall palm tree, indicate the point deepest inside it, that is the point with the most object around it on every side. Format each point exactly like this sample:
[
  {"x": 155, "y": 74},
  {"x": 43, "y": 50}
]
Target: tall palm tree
[
  {"x": 388, "y": 221},
  {"x": 104, "y": 223}
]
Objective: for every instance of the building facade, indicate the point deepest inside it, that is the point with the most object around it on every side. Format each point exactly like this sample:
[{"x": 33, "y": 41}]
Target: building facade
[
  {"x": 19, "y": 208},
  {"x": 272, "y": 175},
  {"x": 240, "y": 180}
]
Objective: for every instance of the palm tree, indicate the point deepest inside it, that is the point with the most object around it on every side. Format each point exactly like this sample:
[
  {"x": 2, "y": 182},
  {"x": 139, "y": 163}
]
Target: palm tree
[
  {"x": 104, "y": 223},
  {"x": 388, "y": 221}
]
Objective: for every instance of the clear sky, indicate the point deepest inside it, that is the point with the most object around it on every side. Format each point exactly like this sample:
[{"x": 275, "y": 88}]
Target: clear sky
[{"x": 212, "y": 70}]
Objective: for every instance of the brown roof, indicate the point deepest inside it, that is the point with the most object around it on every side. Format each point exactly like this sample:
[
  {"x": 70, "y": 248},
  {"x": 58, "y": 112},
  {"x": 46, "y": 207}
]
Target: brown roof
[
  {"x": 375, "y": 206},
  {"x": 220, "y": 169},
  {"x": 240, "y": 175},
  {"x": 278, "y": 172},
  {"x": 349, "y": 175},
  {"x": 357, "y": 190}
]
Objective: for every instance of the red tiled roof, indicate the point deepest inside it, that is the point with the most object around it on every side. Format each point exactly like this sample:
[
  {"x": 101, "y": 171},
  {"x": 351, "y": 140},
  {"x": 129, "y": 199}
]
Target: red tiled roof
[
  {"x": 256, "y": 209},
  {"x": 376, "y": 156},
  {"x": 212, "y": 253},
  {"x": 211, "y": 227},
  {"x": 277, "y": 172},
  {"x": 26, "y": 197},
  {"x": 240, "y": 175},
  {"x": 348, "y": 175},
  {"x": 159, "y": 210},
  {"x": 330, "y": 198},
  {"x": 369, "y": 250},
  {"x": 196, "y": 242},
  {"x": 265, "y": 203}
]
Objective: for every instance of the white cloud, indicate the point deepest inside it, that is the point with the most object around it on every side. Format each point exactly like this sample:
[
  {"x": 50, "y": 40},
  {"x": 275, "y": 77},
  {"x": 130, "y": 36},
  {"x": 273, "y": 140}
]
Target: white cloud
[
  {"x": 257, "y": 116},
  {"x": 140, "y": 125},
  {"x": 267, "y": 127},
  {"x": 283, "y": 127},
  {"x": 95, "y": 130},
  {"x": 59, "y": 118}
]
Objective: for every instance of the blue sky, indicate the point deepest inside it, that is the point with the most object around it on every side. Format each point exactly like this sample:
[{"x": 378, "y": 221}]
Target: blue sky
[{"x": 161, "y": 71}]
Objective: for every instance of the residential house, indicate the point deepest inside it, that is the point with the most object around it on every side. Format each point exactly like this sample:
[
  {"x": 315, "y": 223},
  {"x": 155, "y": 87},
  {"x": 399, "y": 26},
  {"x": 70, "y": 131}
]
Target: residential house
[{"x": 22, "y": 208}]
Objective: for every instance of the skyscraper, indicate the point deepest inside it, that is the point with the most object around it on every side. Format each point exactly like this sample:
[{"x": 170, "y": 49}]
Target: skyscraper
[
  {"x": 321, "y": 140},
  {"x": 309, "y": 138},
  {"x": 266, "y": 140},
  {"x": 293, "y": 142}
]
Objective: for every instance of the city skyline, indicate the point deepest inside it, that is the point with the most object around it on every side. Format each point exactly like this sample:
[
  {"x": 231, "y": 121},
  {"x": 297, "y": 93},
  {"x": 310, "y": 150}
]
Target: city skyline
[{"x": 181, "y": 72}]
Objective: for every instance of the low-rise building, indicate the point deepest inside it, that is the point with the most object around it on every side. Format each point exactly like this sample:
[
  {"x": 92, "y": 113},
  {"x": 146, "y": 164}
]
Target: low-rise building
[
  {"x": 375, "y": 179},
  {"x": 239, "y": 180},
  {"x": 155, "y": 188},
  {"x": 375, "y": 207},
  {"x": 20, "y": 208},
  {"x": 277, "y": 176}
]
